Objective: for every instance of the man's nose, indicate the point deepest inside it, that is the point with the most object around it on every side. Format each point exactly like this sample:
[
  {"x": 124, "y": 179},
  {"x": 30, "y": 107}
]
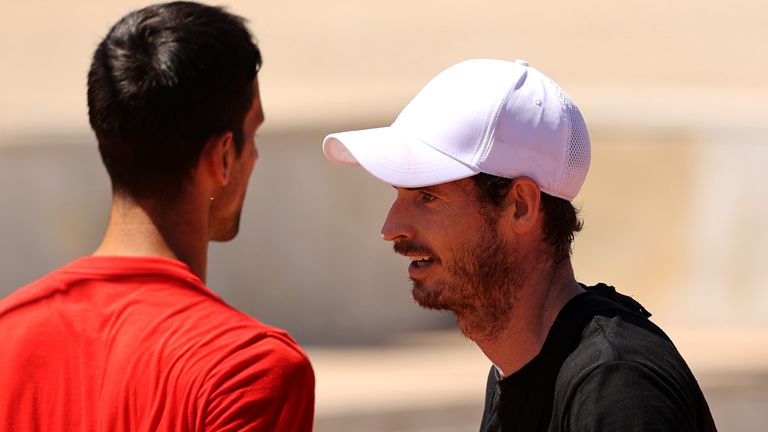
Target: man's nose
[{"x": 396, "y": 225}]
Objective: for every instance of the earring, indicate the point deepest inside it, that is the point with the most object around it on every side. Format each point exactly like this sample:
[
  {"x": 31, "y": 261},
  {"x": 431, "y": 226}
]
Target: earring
[{"x": 211, "y": 197}]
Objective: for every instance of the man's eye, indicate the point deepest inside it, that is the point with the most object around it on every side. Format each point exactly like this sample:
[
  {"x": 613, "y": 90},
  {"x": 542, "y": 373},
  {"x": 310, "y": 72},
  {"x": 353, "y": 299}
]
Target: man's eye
[{"x": 427, "y": 197}]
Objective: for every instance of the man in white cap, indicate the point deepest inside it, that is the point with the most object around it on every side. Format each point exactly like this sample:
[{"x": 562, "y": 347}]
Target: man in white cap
[{"x": 486, "y": 160}]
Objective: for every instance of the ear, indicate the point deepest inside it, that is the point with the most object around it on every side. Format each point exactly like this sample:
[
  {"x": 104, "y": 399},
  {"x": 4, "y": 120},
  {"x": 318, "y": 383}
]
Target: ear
[
  {"x": 523, "y": 201},
  {"x": 218, "y": 158}
]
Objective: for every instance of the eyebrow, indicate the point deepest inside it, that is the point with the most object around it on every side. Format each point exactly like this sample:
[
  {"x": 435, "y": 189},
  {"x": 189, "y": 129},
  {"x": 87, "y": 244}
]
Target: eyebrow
[{"x": 414, "y": 189}]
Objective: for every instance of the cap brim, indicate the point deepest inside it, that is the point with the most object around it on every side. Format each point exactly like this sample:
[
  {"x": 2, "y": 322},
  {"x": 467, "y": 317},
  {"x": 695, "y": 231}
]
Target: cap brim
[{"x": 394, "y": 157}]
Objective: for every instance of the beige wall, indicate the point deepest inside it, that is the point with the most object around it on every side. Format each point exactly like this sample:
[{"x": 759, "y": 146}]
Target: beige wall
[
  {"x": 674, "y": 94},
  {"x": 338, "y": 60}
]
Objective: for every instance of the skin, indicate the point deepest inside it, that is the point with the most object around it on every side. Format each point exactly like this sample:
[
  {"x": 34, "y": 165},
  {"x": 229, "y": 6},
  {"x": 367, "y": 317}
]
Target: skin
[
  {"x": 149, "y": 228},
  {"x": 489, "y": 266}
]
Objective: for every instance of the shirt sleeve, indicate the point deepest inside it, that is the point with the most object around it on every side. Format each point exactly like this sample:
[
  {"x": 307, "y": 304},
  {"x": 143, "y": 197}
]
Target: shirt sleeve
[
  {"x": 628, "y": 397},
  {"x": 268, "y": 386}
]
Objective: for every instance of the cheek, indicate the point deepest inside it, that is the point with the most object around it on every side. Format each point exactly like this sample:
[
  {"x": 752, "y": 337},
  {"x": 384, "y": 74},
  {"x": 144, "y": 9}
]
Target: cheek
[
  {"x": 250, "y": 156},
  {"x": 253, "y": 162},
  {"x": 247, "y": 160},
  {"x": 246, "y": 174},
  {"x": 461, "y": 233}
]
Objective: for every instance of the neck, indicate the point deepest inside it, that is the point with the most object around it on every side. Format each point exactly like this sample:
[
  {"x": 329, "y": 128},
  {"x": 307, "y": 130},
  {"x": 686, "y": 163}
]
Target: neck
[
  {"x": 147, "y": 229},
  {"x": 538, "y": 301}
]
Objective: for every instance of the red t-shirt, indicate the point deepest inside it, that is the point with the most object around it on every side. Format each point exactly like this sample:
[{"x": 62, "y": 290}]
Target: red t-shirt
[{"x": 140, "y": 344}]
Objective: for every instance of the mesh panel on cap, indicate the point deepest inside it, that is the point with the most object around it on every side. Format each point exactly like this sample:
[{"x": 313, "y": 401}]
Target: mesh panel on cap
[{"x": 579, "y": 154}]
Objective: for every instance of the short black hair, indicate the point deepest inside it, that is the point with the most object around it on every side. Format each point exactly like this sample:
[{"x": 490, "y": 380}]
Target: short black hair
[
  {"x": 165, "y": 79},
  {"x": 561, "y": 218}
]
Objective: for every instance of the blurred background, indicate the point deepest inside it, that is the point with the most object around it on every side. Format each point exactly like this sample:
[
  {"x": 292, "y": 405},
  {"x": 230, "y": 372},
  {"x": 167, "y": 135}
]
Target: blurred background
[{"x": 675, "y": 204}]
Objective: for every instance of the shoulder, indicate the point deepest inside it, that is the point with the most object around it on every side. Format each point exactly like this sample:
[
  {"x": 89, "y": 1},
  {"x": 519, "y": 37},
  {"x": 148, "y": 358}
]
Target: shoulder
[
  {"x": 262, "y": 383},
  {"x": 280, "y": 348},
  {"x": 624, "y": 377},
  {"x": 614, "y": 338},
  {"x": 229, "y": 338},
  {"x": 612, "y": 344},
  {"x": 31, "y": 293},
  {"x": 627, "y": 396},
  {"x": 259, "y": 351}
]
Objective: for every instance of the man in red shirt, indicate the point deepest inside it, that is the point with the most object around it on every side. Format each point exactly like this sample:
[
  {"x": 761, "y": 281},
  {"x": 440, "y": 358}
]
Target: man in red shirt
[{"x": 130, "y": 338}]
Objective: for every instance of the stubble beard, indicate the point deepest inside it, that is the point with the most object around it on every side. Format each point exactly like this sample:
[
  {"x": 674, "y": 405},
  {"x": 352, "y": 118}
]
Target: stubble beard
[{"x": 480, "y": 286}]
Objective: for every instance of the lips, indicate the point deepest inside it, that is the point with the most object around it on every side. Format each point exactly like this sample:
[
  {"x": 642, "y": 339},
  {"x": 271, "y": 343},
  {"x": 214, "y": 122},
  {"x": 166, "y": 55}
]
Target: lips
[
  {"x": 421, "y": 257},
  {"x": 420, "y": 261},
  {"x": 420, "y": 264}
]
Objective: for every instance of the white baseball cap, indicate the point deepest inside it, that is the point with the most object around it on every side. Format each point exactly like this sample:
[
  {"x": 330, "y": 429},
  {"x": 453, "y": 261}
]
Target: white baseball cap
[{"x": 492, "y": 116}]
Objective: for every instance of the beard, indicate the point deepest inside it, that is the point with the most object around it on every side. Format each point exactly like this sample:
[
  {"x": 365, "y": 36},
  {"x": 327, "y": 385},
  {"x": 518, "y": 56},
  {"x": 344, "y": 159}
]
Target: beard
[{"x": 479, "y": 285}]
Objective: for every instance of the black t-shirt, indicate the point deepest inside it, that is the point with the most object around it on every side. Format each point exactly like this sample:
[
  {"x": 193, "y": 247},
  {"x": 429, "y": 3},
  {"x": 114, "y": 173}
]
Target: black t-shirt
[{"x": 603, "y": 367}]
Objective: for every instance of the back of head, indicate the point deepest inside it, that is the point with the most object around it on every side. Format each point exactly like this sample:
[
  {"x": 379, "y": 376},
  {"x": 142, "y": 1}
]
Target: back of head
[{"x": 162, "y": 82}]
